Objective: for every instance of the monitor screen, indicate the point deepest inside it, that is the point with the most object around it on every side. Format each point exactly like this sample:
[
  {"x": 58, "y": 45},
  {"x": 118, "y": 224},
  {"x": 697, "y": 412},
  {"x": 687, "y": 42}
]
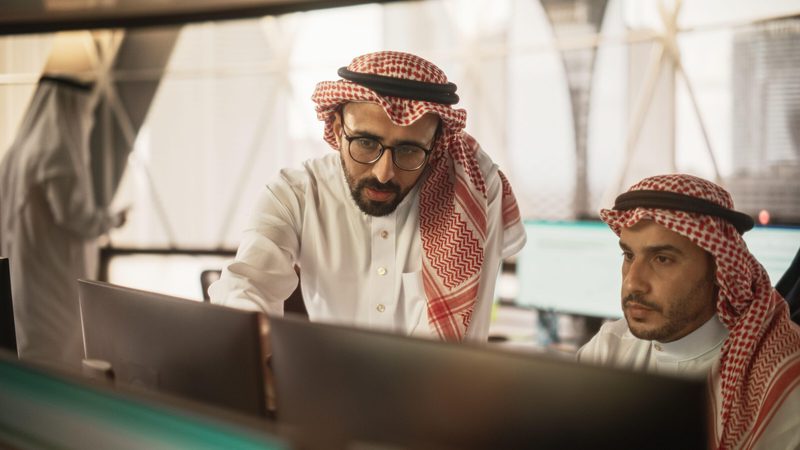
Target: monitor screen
[
  {"x": 205, "y": 352},
  {"x": 359, "y": 387},
  {"x": 774, "y": 247},
  {"x": 575, "y": 267}
]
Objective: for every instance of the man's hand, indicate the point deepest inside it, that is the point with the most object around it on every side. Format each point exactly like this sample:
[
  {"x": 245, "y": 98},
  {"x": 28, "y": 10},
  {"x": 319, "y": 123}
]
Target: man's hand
[{"x": 120, "y": 217}]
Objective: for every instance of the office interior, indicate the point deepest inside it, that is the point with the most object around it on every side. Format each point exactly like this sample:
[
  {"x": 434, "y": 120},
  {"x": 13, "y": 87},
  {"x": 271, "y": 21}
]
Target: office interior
[{"x": 200, "y": 103}]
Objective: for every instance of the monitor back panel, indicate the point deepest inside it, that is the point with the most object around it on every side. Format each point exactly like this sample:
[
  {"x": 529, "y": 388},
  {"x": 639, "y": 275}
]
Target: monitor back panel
[
  {"x": 205, "y": 352},
  {"x": 357, "y": 385}
]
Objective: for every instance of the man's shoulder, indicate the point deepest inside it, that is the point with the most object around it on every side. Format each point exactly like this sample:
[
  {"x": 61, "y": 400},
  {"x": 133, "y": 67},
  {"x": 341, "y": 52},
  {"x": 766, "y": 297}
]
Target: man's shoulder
[
  {"x": 617, "y": 329},
  {"x": 612, "y": 338},
  {"x": 485, "y": 163},
  {"x": 312, "y": 172},
  {"x": 326, "y": 163},
  {"x": 490, "y": 172}
]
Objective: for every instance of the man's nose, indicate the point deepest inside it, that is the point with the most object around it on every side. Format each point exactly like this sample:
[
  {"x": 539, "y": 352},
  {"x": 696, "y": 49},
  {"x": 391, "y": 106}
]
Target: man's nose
[
  {"x": 635, "y": 277},
  {"x": 383, "y": 168}
]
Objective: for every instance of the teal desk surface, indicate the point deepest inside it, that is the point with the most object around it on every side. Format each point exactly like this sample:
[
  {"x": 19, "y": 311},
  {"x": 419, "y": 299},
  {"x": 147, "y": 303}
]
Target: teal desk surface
[{"x": 43, "y": 409}]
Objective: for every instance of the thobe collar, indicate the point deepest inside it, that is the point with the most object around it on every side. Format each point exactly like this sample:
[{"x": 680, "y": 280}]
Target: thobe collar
[{"x": 700, "y": 341}]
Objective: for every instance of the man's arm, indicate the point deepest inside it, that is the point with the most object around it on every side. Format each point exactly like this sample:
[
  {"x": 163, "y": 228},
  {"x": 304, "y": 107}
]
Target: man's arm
[
  {"x": 72, "y": 205},
  {"x": 607, "y": 346},
  {"x": 262, "y": 275}
]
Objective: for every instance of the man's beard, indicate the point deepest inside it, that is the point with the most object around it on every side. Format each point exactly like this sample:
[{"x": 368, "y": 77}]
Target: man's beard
[
  {"x": 677, "y": 317},
  {"x": 370, "y": 207}
]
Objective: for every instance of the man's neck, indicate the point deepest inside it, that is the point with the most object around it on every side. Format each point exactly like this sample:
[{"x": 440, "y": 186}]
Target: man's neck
[{"x": 702, "y": 339}]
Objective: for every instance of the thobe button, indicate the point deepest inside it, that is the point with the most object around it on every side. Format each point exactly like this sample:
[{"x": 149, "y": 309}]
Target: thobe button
[
  {"x": 658, "y": 347},
  {"x": 381, "y": 270},
  {"x": 384, "y": 234},
  {"x": 380, "y": 307}
]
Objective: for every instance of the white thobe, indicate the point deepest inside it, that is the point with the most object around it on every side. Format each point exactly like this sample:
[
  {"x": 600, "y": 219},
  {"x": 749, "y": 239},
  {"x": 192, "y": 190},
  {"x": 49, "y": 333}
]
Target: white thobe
[
  {"x": 49, "y": 222},
  {"x": 357, "y": 270},
  {"x": 693, "y": 355}
]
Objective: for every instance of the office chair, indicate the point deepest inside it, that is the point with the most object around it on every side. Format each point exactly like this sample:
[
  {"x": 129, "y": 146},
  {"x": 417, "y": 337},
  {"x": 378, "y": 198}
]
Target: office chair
[
  {"x": 789, "y": 287},
  {"x": 294, "y": 304},
  {"x": 206, "y": 278}
]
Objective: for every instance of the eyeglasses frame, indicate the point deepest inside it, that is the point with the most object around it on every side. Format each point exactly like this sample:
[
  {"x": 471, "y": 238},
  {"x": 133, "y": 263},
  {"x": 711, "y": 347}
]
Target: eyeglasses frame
[{"x": 350, "y": 140}]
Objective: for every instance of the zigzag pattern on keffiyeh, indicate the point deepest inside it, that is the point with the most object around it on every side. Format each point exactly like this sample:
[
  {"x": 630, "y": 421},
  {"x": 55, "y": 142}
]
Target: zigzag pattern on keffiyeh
[
  {"x": 453, "y": 202},
  {"x": 760, "y": 360}
]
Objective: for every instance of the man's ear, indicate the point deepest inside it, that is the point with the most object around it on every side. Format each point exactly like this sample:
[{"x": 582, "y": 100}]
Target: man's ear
[{"x": 337, "y": 128}]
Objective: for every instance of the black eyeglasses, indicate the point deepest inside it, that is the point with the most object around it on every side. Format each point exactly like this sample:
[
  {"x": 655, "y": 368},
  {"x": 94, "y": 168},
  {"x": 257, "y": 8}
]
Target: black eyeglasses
[{"x": 367, "y": 150}]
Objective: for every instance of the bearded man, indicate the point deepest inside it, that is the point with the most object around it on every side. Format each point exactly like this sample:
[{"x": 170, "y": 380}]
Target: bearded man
[
  {"x": 403, "y": 229},
  {"x": 697, "y": 303}
]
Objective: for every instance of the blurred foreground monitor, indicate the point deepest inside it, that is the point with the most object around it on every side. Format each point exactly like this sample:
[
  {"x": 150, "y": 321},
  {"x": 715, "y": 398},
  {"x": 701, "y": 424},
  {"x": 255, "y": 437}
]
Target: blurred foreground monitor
[{"x": 360, "y": 388}]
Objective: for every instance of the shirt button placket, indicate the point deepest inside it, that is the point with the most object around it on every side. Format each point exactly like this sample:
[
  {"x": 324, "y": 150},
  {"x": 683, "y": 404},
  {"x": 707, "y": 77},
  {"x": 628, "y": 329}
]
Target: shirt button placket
[{"x": 383, "y": 280}]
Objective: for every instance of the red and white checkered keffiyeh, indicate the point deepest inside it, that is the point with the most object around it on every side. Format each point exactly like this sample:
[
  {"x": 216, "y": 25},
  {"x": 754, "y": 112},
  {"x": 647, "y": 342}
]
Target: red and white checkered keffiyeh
[
  {"x": 760, "y": 360},
  {"x": 453, "y": 220}
]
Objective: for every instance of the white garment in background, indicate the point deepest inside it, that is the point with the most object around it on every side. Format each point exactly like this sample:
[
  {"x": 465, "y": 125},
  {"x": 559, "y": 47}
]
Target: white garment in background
[
  {"x": 693, "y": 355},
  {"x": 49, "y": 222},
  {"x": 356, "y": 269}
]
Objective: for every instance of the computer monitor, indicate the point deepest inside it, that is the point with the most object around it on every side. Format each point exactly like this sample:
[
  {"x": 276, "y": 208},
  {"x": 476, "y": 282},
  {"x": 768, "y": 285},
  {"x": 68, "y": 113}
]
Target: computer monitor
[
  {"x": 570, "y": 267},
  {"x": 359, "y": 387},
  {"x": 202, "y": 351},
  {"x": 574, "y": 267},
  {"x": 774, "y": 247}
]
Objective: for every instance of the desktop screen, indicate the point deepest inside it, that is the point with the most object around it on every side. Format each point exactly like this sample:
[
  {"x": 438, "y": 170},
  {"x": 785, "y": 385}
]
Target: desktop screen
[
  {"x": 368, "y": 389},
  {"x": 574, "y": 266},
  {"x": 205, "y": 352}
]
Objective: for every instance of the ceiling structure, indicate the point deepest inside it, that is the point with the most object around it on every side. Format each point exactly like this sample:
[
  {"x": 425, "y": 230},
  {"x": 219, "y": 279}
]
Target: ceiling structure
[{"x": 43, "y": 16}]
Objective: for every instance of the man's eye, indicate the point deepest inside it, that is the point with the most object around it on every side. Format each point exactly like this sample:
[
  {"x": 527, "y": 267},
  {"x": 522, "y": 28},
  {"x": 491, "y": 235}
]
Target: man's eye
[
  {"x": 627, "y": 256},
  {"x": 367, "y": 143},
  {"x": 661, "y": 259},
  {"x": 407, "y": 150}
]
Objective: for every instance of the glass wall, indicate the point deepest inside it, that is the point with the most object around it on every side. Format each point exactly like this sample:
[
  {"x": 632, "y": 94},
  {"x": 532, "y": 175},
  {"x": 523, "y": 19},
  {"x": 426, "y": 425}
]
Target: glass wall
[{"x": 554, "y": 92}]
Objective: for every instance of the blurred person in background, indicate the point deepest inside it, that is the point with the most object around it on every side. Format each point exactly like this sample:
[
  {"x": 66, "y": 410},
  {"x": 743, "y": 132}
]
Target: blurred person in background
[{"x": 49, "y": 221}]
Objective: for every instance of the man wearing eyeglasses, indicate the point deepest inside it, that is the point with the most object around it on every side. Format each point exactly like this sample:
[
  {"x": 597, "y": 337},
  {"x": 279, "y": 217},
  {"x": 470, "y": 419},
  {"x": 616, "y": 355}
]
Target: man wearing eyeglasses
[{"x": 403, "y": 229}]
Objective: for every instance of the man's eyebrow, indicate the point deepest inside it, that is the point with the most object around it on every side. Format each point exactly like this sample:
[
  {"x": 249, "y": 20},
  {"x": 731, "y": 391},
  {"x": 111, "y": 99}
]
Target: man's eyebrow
[
  {"x": 414, "y": 143},
  {"x": 654, "y": 248},
  {"x": 663, "y": 248},
  {"x": 367, "y": 134},
  {"x": 361, "y": 133}
]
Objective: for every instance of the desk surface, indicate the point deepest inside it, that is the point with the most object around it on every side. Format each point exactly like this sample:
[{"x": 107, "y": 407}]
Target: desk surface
[{"x": 41, "y": 409}]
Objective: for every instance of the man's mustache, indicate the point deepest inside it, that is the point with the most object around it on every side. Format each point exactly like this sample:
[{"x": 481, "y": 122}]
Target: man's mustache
[
  {"x": 376, "y": 185},
  {"x": 639, "y": 300}
]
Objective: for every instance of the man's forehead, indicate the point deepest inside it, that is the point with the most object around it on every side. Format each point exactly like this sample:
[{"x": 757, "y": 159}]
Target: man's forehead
[
  {"x": 649, "y": 233},
  {"x": 371, "y": 111},
  {"x": 367, "y": 109}
]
